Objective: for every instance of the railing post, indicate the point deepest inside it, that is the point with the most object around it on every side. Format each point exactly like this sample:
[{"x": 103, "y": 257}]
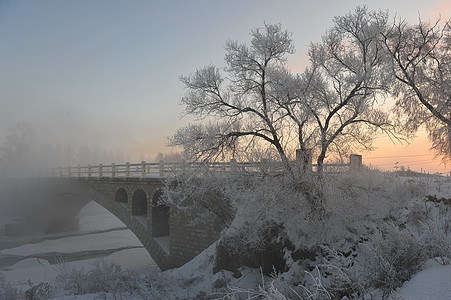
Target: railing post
[
  {"x": 78, "y": 171},
  {"x": 89, "y": 171},
  {"x": 127, "y": 169},
  {"x": 161, "y": 168},
  {"x": 100, "y": 170},
  {"x": 69, "y": 171},
  {"x": 355, "y": 161},
  {"x": 113, "y": 170},
  {"x": 143, "y": 168}
]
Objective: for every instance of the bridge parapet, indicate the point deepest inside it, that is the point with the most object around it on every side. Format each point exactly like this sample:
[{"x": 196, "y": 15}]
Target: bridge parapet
[{"x": 162, "y": 168}]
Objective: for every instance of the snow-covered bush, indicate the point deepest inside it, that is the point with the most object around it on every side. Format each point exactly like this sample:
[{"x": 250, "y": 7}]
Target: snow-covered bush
[
  {"x": 438, "y": 242},
  {"x": 7, "y": 292},
  {"x": 262, "y": 292},
  {"x": 390, "y": 257},
  {"x": 313, "y": 290},
  {"x": 200, "y": 195},
  {"x": 104, "y": 277},
  {"x": 39, "y": 291},
  {"x": 431, "y": 221},
  {"x": 344, "y": 278}
]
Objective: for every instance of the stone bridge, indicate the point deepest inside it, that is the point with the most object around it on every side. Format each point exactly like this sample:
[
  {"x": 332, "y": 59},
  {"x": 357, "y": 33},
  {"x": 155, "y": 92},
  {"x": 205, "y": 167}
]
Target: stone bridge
[
  {"x": 131, "y": 192},
  {"x": 170, "y": 237}
]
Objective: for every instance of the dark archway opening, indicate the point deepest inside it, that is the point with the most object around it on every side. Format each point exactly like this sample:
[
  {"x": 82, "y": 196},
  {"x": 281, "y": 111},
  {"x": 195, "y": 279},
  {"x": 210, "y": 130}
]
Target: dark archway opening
[
  {"x": 121, "y": 196},
  {"x": 139, "y": 203},
  {"x": 160, "y": 216}
]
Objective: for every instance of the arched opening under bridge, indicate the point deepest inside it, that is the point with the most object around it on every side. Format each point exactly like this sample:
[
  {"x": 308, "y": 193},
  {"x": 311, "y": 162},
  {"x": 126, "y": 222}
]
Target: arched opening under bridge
[
  {"x": 121, "y": 197},
  {"x": 109, "y": 229}
]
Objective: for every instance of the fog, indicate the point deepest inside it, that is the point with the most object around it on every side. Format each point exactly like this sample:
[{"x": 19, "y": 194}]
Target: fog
[
  {"x": 72, "y": 130},
  {"x": 103, "y": 78},
  {"x": 36, "y": 206},
  {"x": 9, "y": 207}
]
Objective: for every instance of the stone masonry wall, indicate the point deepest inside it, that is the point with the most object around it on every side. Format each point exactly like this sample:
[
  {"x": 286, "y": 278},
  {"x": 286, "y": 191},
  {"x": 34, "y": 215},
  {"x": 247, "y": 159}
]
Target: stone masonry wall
[
  {"x": 185, "y": 240},
  {"x": 64, "y": 197},
  {"x": 188, "y": 239}
]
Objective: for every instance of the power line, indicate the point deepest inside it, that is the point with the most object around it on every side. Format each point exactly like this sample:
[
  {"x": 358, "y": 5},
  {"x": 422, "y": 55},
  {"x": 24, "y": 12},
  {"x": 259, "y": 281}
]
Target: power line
[
  {"x": 406, "y": 163},
  {"x": 399, "y": 156}
]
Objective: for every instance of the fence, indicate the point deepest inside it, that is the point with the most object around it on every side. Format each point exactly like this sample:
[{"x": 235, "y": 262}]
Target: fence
[{"x": 160, "y": 169}]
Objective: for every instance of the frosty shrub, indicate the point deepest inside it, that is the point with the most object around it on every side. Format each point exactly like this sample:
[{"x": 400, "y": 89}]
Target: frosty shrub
[
  {"x": 438, "y": 242},
  {"x": 7, "y": 292},
  {"x": 105, "y": 277},
  {"x": 39, "y": 291},
  {"x": 375, "y": 191},
  {"x": 262, "y": 292},
  {"x": 71, "y": 279},
  {"x": 343, "y": 278},
  {"x": 414, "y": 187},
  {"x": 391, "y": 256},
  {"x": 200, "y": 195},
  {"x": 428, "y": 218},
  {"x": 313, "y": 290},
  {"x": 437, "y": 228}
]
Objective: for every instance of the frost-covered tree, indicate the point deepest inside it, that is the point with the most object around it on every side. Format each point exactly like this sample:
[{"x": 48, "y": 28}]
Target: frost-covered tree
[
  {"x": 290, "y": 92},
  {"x": 421, "y": 57},
  {"x": 255, "y": 99},
  {"x": 347, "y": 75},
  {"x": 18, "y": 141},
  {"x": 239, "y": 98}
]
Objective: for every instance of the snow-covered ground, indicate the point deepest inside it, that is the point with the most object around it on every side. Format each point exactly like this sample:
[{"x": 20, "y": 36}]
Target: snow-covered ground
[
  {"x": 434, "y": 282},
  {"x": 103, "y": 235}
]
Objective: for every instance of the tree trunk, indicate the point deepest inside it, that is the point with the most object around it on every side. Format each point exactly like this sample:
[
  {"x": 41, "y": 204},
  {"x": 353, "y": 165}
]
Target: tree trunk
[
  {"x": 281, "y": 152},
  {"x": 320, "y": 162},
  {"x": 285, "y": 160}
]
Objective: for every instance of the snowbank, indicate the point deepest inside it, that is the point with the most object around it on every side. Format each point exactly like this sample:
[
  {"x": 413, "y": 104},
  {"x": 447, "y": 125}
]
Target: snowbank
[{"x": 434, "y": 282}]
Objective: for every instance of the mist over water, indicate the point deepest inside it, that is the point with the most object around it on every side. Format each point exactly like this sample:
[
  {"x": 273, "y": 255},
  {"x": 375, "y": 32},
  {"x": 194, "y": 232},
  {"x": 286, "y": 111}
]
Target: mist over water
[{"x": 98, "y": 234}]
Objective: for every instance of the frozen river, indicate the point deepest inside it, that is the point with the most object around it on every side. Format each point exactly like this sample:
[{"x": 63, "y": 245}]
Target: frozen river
[{"x": 101, "y": 236}]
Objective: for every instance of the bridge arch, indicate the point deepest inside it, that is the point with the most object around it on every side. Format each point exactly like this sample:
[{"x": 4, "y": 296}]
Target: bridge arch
[
  {"x": 160, "y": 216},
  {"x": 139, "y": 203},
  {"x": 121, "y": 196},
  {"x": 168, "y": 236}
]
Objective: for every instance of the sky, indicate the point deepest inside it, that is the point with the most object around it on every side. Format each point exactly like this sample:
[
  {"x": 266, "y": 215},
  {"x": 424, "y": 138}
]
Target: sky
[{"x": 105, "y": 74}]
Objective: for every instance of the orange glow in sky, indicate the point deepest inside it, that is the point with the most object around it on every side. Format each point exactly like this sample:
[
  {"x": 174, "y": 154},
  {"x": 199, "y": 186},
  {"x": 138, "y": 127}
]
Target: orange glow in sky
[
  {"x": 441, "y": 10},
  {"x": 417, "y": 155}
]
